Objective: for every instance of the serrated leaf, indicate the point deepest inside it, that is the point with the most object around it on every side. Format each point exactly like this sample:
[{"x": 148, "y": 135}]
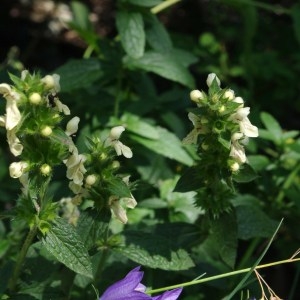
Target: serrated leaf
[
  {"x": 146, "y": 3},
  {"x": 167, "y": 145},
  {"x": 92, "y": 226},
  {"x": 154, "y": 251},
  {"x": 252, "y": 221},
  {"x": 272, "y": 125},
  {"x": 63, "y": 242},
  {"x": 118, "y": 187},
  {"x": 79, "y": 73},
  {"x": 131, "y": 29},
  {"x": 163, "y": 65},
  {"x": 138, "y": 126},
  {"x": 221, "y": 244}
]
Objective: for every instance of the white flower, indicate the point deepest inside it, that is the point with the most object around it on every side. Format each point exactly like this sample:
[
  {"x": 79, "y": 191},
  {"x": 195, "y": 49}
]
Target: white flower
[
  {"x": 14, "y": 143},
  {"x": 13, "y": 115},
  {"x": 199, "y": 128},
  {"x": 113, "y": 140},
  {"x": 241, "y": 118},
  {"x": 17, "y": 169},
  {"x": 210, "y": 79},
  {"x": 116, "y": 208},
  {"x": 196, "y": 96},
  {"x": 70, "y": 210},
  {"x": 75, "y": 167},
  {"x": 239, "y": 100},
  {"x": 229, "y": 94},
  {"x": 237, "y": 151},
  {"x": 72, "y": 126},
  {"x": 52, "y": 82},
  {"x": 61, "y": 107},
  {"x": 128, "y": 201}
]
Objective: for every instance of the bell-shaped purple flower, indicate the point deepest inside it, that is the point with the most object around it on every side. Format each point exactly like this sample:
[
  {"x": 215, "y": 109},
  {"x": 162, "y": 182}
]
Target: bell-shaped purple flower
[{"x": 130, "y": 288}]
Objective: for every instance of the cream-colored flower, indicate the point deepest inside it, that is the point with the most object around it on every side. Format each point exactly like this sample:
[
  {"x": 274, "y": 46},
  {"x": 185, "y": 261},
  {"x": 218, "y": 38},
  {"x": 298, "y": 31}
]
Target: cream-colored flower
[
  {"x": 210, "y": 79},
  {"x": 113, "y": 140},
  {"x": 14, "y": 143},
  {"x": 241, "y": 118},
  {"x": 52, "y": 82},
  {"x": 75, "y": 167},
  {"x": 196, "y": 96},
  {"x": 116, "y": 208},
  {"x": 70, "y": 210},
  {"x": 229, "y": 94},
  {"x": 13, "y": 115},
  {"x": 199, "y": 128},
  {"x": 237, "y": 151},
  {"x": 72, "y": 126},
  {"x": 62, "y": 107},
  {"x": 17, "y": 169}
]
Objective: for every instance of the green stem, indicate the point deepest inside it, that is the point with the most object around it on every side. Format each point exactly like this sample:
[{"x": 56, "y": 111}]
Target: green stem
[
  {"x": 222, "y": 275},
  {"x": 287, "y": 184},
  {"x": 21, "y": 258},
  {"x": 101, "y": 264},
  {"x": 158, "y": 8}
]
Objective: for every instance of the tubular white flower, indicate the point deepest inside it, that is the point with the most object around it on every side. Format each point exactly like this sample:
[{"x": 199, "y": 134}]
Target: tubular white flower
[
  {"x": 75, "y": 167},
  {"x": 113, "y": 140},
  {"x": 17, "y": 169},
  {"x": 13, "y": 115},
  {"x": 14, "y": 143},
  {"x": 115, "y": 132},
  {"x": 210, "y": 79},
  {"x": 72, "y": 126},
  {"x": 238, "y": 152},
  {"x": 229, "y": 94},
  {"x": 199, "y": 128},
  {"x": 62, "y": 107},
  {"x": 116, "y": 208}
]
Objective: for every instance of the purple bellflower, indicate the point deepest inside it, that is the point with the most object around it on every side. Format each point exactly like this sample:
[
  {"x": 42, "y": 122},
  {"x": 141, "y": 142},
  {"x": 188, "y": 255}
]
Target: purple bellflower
[{"x": 130, "y": 288}]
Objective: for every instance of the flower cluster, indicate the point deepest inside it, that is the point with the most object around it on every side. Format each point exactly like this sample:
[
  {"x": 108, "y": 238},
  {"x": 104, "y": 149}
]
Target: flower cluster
[
  {"x": 220, "y": 115},
  {"x": 221, "y": 129},
  {"x": 130, "y": 287}
]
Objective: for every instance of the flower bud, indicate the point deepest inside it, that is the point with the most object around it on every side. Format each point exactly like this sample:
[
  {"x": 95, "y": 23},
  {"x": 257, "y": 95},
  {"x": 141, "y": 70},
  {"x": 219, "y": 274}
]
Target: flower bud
[
  {"x": 116, "y": 132},
  {"x": 221, "y": 109},
  {"x": 16, "y": 169},
  {"x": 196, "y": 96},
  {"x": 72, "y": 126},
  {"x": 229, "y": 94},
  {"x": 35, "y": 98},
  {"x": 46, "y": 131},
  {"x": 210, "y": 79},
  {"x": 115, "y": 164},
  {"x": 234, "y": 166},
  {"x": 204, "y": 146},
  {"x": 45, "y": 169},
  {"x": 51, "y": 82},
  {"x": 91, "y": 179},
  {"x": 239, "y": 100}
]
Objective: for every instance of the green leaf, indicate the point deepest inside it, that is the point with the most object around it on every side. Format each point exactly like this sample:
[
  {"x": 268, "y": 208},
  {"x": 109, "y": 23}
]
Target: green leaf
[
  {"x": 190, "y": 180},
  {"x": 79, "y": 73},
  {"x": 258, "y": 162},
  {"x": 140, "y": 127},
  {"x": 252, "y": 221},
  {"x": 80, "y": 15},
  {"x": 295, "y": 14},
  {"x": 245, "y": 174},
  {"x": 156, "y": 34},
  {"x": 118, "y": 187},
  {"x": 154, "y": 251},
  {"x": 221, "y": 244},
  {"x": 272, "y": 125},
  {"x": 92, "y": 226},
  {"x": 131, "y": 29},
  {"x": 146, "y": 3},
  {"x": 164, "y": 65},
  {"x": 63, "y": 242},
  {"x": 167, "y": 145}
]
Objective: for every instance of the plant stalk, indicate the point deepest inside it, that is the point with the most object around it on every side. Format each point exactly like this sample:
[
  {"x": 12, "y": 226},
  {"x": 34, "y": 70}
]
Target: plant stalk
[{"x": 17, "y": 270}]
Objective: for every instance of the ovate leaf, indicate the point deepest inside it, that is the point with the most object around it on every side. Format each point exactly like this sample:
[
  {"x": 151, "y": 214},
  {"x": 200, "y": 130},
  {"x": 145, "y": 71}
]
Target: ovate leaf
[
  {"x": 154, "y": 251},
  {"x": 79, "y": 73},
  {"x": 131, "y": 29},
  {"x": 63, "y": 242},
  {"x": 272, "y": 125},
  {"x": 245, "y": 174},
  {"x": 167, "y": 145},
  {"x": 164, "y": 65}
]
